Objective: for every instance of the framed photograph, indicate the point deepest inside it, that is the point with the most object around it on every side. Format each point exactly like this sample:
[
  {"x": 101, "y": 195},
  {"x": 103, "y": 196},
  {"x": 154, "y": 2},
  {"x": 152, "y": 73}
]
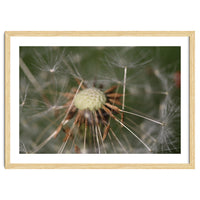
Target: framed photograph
[{"x": 99, "y": 100}]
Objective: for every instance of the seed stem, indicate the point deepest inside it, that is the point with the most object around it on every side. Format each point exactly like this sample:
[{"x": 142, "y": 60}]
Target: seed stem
[
  {"x": 65, "y": 142},
  {"x": 84, "y": 146},
  {"x": 132, "y": 133},
  {"x": 116, "y": 138},
  {"x": 147, "y": 118},
  {"x": 96, "y": 131},
  {"x": 124, "y": 87},
  {"x": 63, "y": 121},
  {"x": 48, "y": 139},
  {"x": 29, "y": 75}
]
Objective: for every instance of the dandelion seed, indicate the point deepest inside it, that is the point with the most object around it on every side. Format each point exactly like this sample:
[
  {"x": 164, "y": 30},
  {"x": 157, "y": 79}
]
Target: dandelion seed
[
  {"x": 22, "y": 148},
  {"x": 23, "y": 98}
]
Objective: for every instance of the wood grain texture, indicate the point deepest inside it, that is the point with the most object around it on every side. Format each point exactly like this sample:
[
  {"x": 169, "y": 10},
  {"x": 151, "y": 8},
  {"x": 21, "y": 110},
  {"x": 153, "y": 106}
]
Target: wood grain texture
[
  {"x": 190, "y": 34},
  {"x": 100, "y": 33},
  {"x": 192, "y": 98},
  {"x": 7, "y": 100}
]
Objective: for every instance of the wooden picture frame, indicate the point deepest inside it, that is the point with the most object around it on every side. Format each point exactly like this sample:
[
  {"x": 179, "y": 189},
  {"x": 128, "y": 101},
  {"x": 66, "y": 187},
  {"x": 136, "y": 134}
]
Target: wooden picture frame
[{"x": 149, "y": 36}]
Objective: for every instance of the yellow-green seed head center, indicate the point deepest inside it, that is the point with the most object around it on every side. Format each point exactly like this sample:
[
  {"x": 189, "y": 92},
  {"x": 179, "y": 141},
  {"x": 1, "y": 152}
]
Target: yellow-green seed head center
[{"x": 90, "y": 98}]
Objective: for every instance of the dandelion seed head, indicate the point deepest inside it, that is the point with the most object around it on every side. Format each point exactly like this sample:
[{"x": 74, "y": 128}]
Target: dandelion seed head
[{"x": 90, "y": 98}]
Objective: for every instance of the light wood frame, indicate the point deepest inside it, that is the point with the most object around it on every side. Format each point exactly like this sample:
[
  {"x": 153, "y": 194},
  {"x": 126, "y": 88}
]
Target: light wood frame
[{"x": 189, "y": 34}]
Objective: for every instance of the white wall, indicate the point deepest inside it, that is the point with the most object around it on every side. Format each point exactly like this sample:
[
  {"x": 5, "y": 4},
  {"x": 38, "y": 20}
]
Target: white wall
[{"x": 101, "y": 15}]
